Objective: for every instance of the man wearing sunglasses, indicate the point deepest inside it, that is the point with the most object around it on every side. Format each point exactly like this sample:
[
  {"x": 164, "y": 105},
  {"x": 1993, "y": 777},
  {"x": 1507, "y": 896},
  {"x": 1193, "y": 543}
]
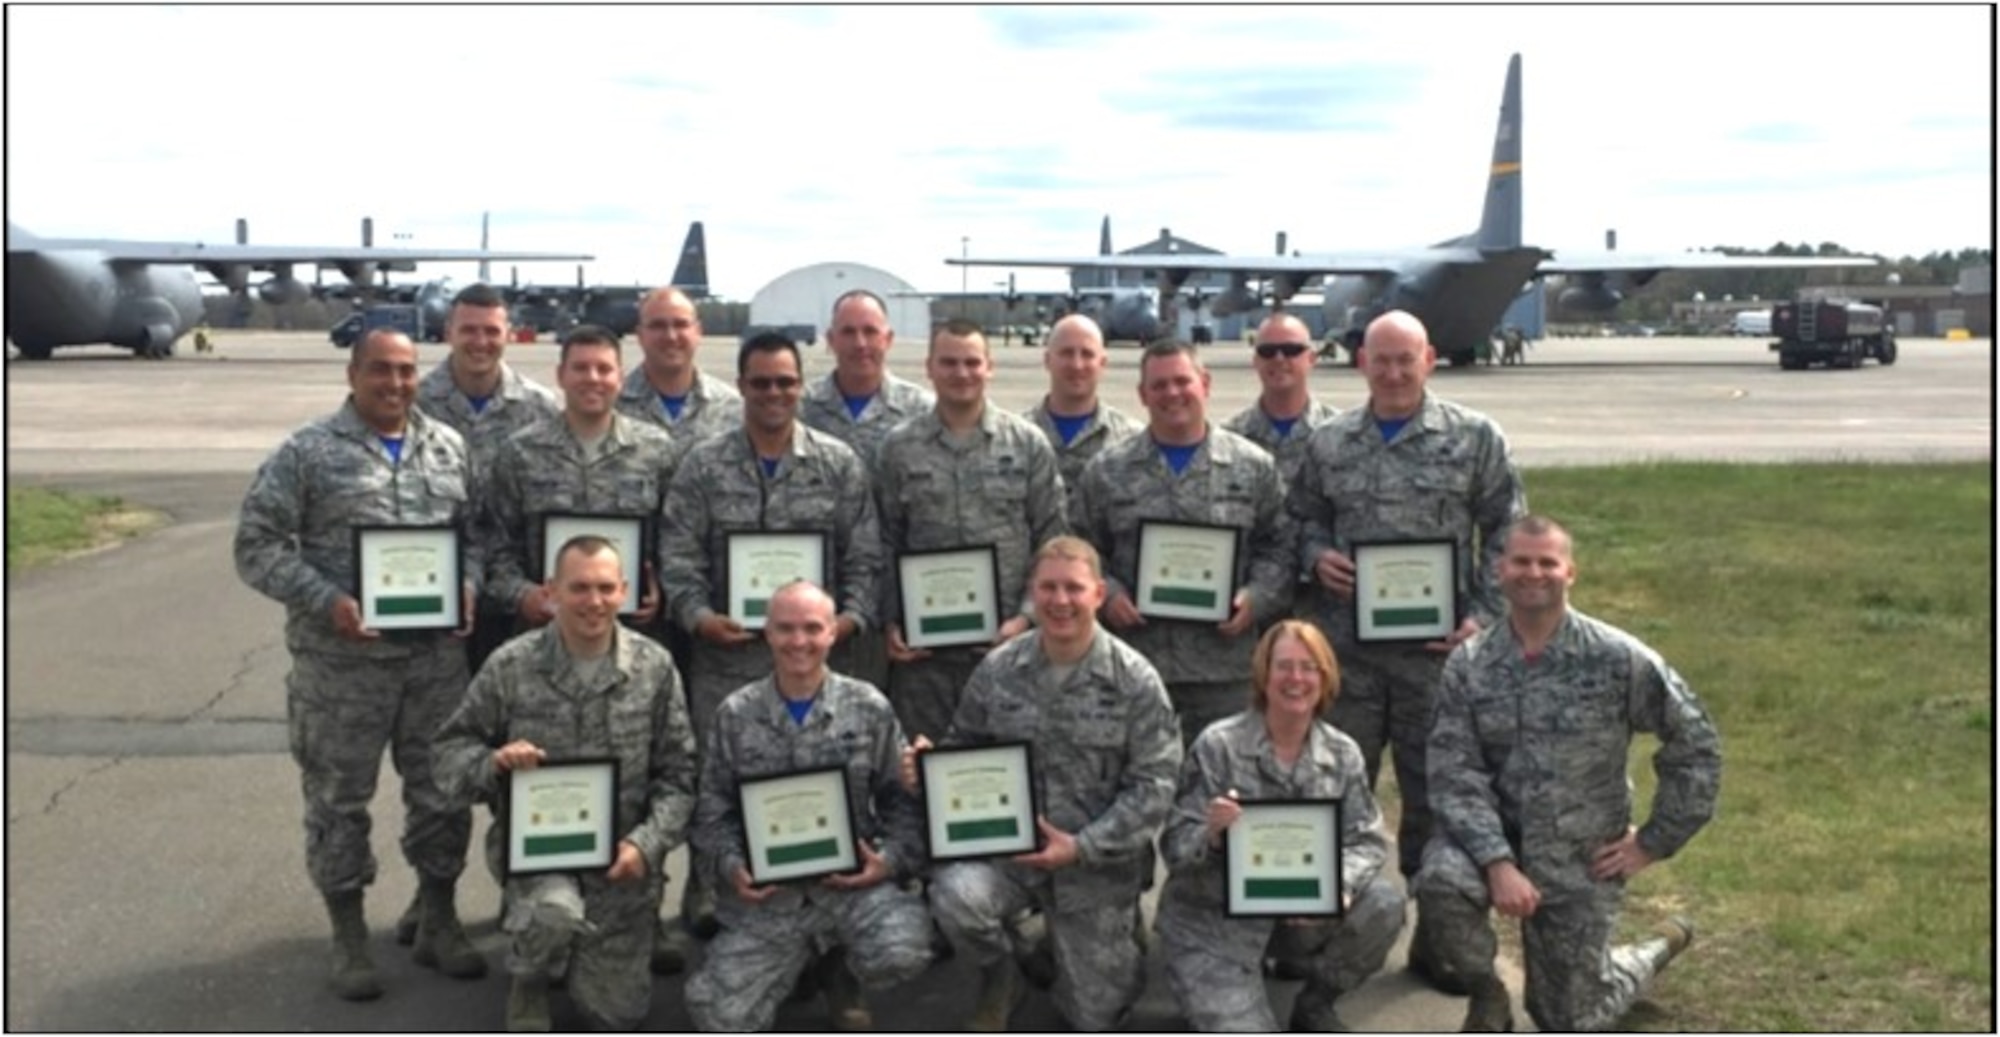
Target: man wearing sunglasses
[
  {"x": 1285, "y": 414},
  {"x": 774, "y": 474},
  {"x": 1406, "y": 467},
  {"x": 667, "y": 388}
]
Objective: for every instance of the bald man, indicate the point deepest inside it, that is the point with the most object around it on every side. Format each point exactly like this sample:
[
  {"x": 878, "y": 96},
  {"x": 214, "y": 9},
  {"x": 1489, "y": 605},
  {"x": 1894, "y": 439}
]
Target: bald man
[
  {"x": 1408, "y": 466},
  {"x": 1079, "y": 424}
]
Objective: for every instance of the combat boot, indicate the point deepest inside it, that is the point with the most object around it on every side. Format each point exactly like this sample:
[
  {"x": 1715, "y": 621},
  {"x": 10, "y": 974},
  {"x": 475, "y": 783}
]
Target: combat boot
[
  {"x": 1313, "y": 1011},
  {"x": 1678, "y": 932},
  {"x": 354, "y": 977},
  {"x": 1490, "y": 1010},
  {"x": 843, "y": 994},
  {"x": 670, "y": 947},
  {"x": 999, "y": 991},
  {"x": 1425, "y": 963},
  {"x": 528, "y": 1005},
  {"x": 406, "y": 926},
  {"x": 441, "y": 942}
]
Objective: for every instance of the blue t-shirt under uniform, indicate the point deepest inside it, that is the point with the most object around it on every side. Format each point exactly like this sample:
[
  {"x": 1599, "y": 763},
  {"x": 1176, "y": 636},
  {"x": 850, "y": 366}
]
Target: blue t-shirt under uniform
[
  {"x": 1178, "y": 457},
  {"x": 1070, "y": 428}
]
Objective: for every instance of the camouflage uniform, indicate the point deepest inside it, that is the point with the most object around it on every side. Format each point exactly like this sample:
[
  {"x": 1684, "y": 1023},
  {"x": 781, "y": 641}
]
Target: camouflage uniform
[
  {"x": 1229, "y": 482},
  {"x": 1214, "y": 962},
  {"x": 884, "y": 929},
  {"x": 542, "y": 470},
  {"x": 898, "y": 400},
  {"x": 1528, "y": 762},
  {"x": 518, "y": 401},
  {"x": 712, "y": 406},
  {"x": 1289, "y": 451},
  {"x": 346, "y": 700},
  {"x": 823, "y": 408},
  {"x": 516, "y": 404},
  {"x": 1105, "y": 756},
  {"x": 1446, "y": 476},
  {"x": 1107, "y": 425},
  {"x": 630, "y": 708},
  {"x": 1000, "y": 487},
  {"x": 720, "y": 488}
]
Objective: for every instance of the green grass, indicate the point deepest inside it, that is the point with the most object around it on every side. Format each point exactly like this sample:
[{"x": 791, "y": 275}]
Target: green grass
[
  {"x": 46, "y": 524},
  {"x": 1836, "y": 620}
]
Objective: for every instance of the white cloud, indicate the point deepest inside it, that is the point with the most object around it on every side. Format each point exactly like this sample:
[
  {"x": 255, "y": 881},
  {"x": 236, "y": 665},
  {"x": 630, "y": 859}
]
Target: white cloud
[{"x": 884, "y": 135}]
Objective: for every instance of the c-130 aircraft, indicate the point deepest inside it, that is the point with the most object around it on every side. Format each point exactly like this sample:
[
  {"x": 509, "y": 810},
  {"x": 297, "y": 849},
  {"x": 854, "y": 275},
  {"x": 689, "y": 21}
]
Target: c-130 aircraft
[
  {"x": 142, "y": 295},
  {"x": 1459, "y": 288}
]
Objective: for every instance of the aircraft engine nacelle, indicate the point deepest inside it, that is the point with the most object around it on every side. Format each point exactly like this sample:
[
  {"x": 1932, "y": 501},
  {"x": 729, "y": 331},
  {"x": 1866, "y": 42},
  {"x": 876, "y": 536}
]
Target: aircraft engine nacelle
[
  {"x": 281, "y": 290},
  {"x": 1592, "y": 297},
  {"x": 1237, "y": 298}
]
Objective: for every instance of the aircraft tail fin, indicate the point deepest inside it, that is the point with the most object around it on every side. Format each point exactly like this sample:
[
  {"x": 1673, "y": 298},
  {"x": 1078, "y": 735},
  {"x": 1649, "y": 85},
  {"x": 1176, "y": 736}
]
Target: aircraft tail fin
[
  {"x": 1080, "y": 279},
  {"x": 1500, "y": 223},
  {"x": 485, "y": 266},
  {"x": 691, "y": 273}
]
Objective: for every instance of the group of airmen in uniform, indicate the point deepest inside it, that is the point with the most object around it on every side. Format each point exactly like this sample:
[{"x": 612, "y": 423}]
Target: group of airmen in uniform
[{"x": 1509, "y": 736}]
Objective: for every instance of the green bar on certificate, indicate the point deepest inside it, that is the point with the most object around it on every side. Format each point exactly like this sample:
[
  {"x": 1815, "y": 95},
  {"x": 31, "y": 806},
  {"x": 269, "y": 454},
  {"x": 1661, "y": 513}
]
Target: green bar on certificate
[
  {"x": 996, "y": 828},
  {"x": 797, "y": 852},
  {"x": 544, "y": 845},
  {"x": 1281, "y": 889},
  {"x": 754, "y": 608},
  {"x": 409, "y": 606},
  {"x": 1406, "y": 617},
  {"x": 951, "y": 624},
  {"x": 1184, "y": 596}
]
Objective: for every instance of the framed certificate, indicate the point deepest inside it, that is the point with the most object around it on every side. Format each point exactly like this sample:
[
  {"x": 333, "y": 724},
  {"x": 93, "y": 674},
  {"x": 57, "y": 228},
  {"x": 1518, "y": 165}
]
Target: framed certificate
[
  {"x": 1186, "y": 571},
  {"x": 980, "y": 801},
  {"x": 760, "y": 563},
  {"x": 950, "y": 597},
  {"x": 560, "y": 816},
  {"x": 410, "y": 577},
  {"x": 1405, "y": 590},
  {"x": 797, "y": 825},
  {"x": 627, "y": 534},
  {"x": 1282, "y": 859}
]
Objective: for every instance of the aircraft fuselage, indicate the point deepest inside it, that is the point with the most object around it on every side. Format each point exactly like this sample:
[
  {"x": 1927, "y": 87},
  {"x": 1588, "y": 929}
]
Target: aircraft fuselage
[
  {"x": 67, "y": 297},
  {"x": 1459, "y": 303}
]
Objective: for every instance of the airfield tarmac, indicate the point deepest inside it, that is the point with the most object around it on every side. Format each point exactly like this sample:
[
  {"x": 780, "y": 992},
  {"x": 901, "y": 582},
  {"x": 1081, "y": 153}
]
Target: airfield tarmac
[{"x": 155, "y": 879}]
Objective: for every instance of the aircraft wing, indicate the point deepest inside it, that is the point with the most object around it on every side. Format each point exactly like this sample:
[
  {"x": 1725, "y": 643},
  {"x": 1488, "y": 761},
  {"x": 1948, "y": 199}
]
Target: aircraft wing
[
  {"x": 174, "y": 252},
  {"x": 1634, "y": 262},
  {"x": 1323, "y": 263}
]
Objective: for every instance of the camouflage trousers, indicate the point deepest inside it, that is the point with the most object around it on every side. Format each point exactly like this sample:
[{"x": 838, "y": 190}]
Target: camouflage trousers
[
  {"x": 753, "y": 963},
  {"x": 1576, "y": 979},
  {"x": 597, "y": 933},
  {"x": 1386, "y": 700},
  {"x": 1099, "y": 968},
  {"x": 925, "y": 693},
  {"x": 1215, "y": 963},
  {"x": 1198, "y": 704},
  {"x": 342, "y": 712}
]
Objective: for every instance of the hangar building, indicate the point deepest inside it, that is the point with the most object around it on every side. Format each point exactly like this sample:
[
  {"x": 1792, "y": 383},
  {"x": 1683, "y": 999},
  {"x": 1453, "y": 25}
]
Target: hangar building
[{"x": 802, "y": 299}]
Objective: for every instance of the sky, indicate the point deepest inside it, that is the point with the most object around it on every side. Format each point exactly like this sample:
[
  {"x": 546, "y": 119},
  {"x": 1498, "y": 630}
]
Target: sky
[{"x": 899, "y": 136}]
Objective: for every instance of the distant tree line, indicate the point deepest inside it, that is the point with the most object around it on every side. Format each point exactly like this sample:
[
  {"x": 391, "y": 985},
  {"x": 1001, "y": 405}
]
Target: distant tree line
[{"x": 1655, "y": 301}]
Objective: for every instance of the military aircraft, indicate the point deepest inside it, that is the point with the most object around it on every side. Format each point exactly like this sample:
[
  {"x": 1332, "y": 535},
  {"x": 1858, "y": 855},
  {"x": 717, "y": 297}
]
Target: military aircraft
[
  {"x": 1124, "y": 312},
  {"x": 1459, "y": 288},
  {"x": 558, "y": 307},
  {"x": 142, "y": 295}
]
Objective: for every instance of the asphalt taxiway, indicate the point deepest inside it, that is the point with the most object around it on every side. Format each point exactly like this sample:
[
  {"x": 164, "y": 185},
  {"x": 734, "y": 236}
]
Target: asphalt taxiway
[{"x": 155, "y": 879}]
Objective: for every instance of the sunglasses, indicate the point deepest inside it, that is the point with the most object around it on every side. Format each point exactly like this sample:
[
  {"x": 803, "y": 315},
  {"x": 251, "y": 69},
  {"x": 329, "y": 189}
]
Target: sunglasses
[
  {"x": 766, "y": 383},
  {"x": 1273, "y": 350}
]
